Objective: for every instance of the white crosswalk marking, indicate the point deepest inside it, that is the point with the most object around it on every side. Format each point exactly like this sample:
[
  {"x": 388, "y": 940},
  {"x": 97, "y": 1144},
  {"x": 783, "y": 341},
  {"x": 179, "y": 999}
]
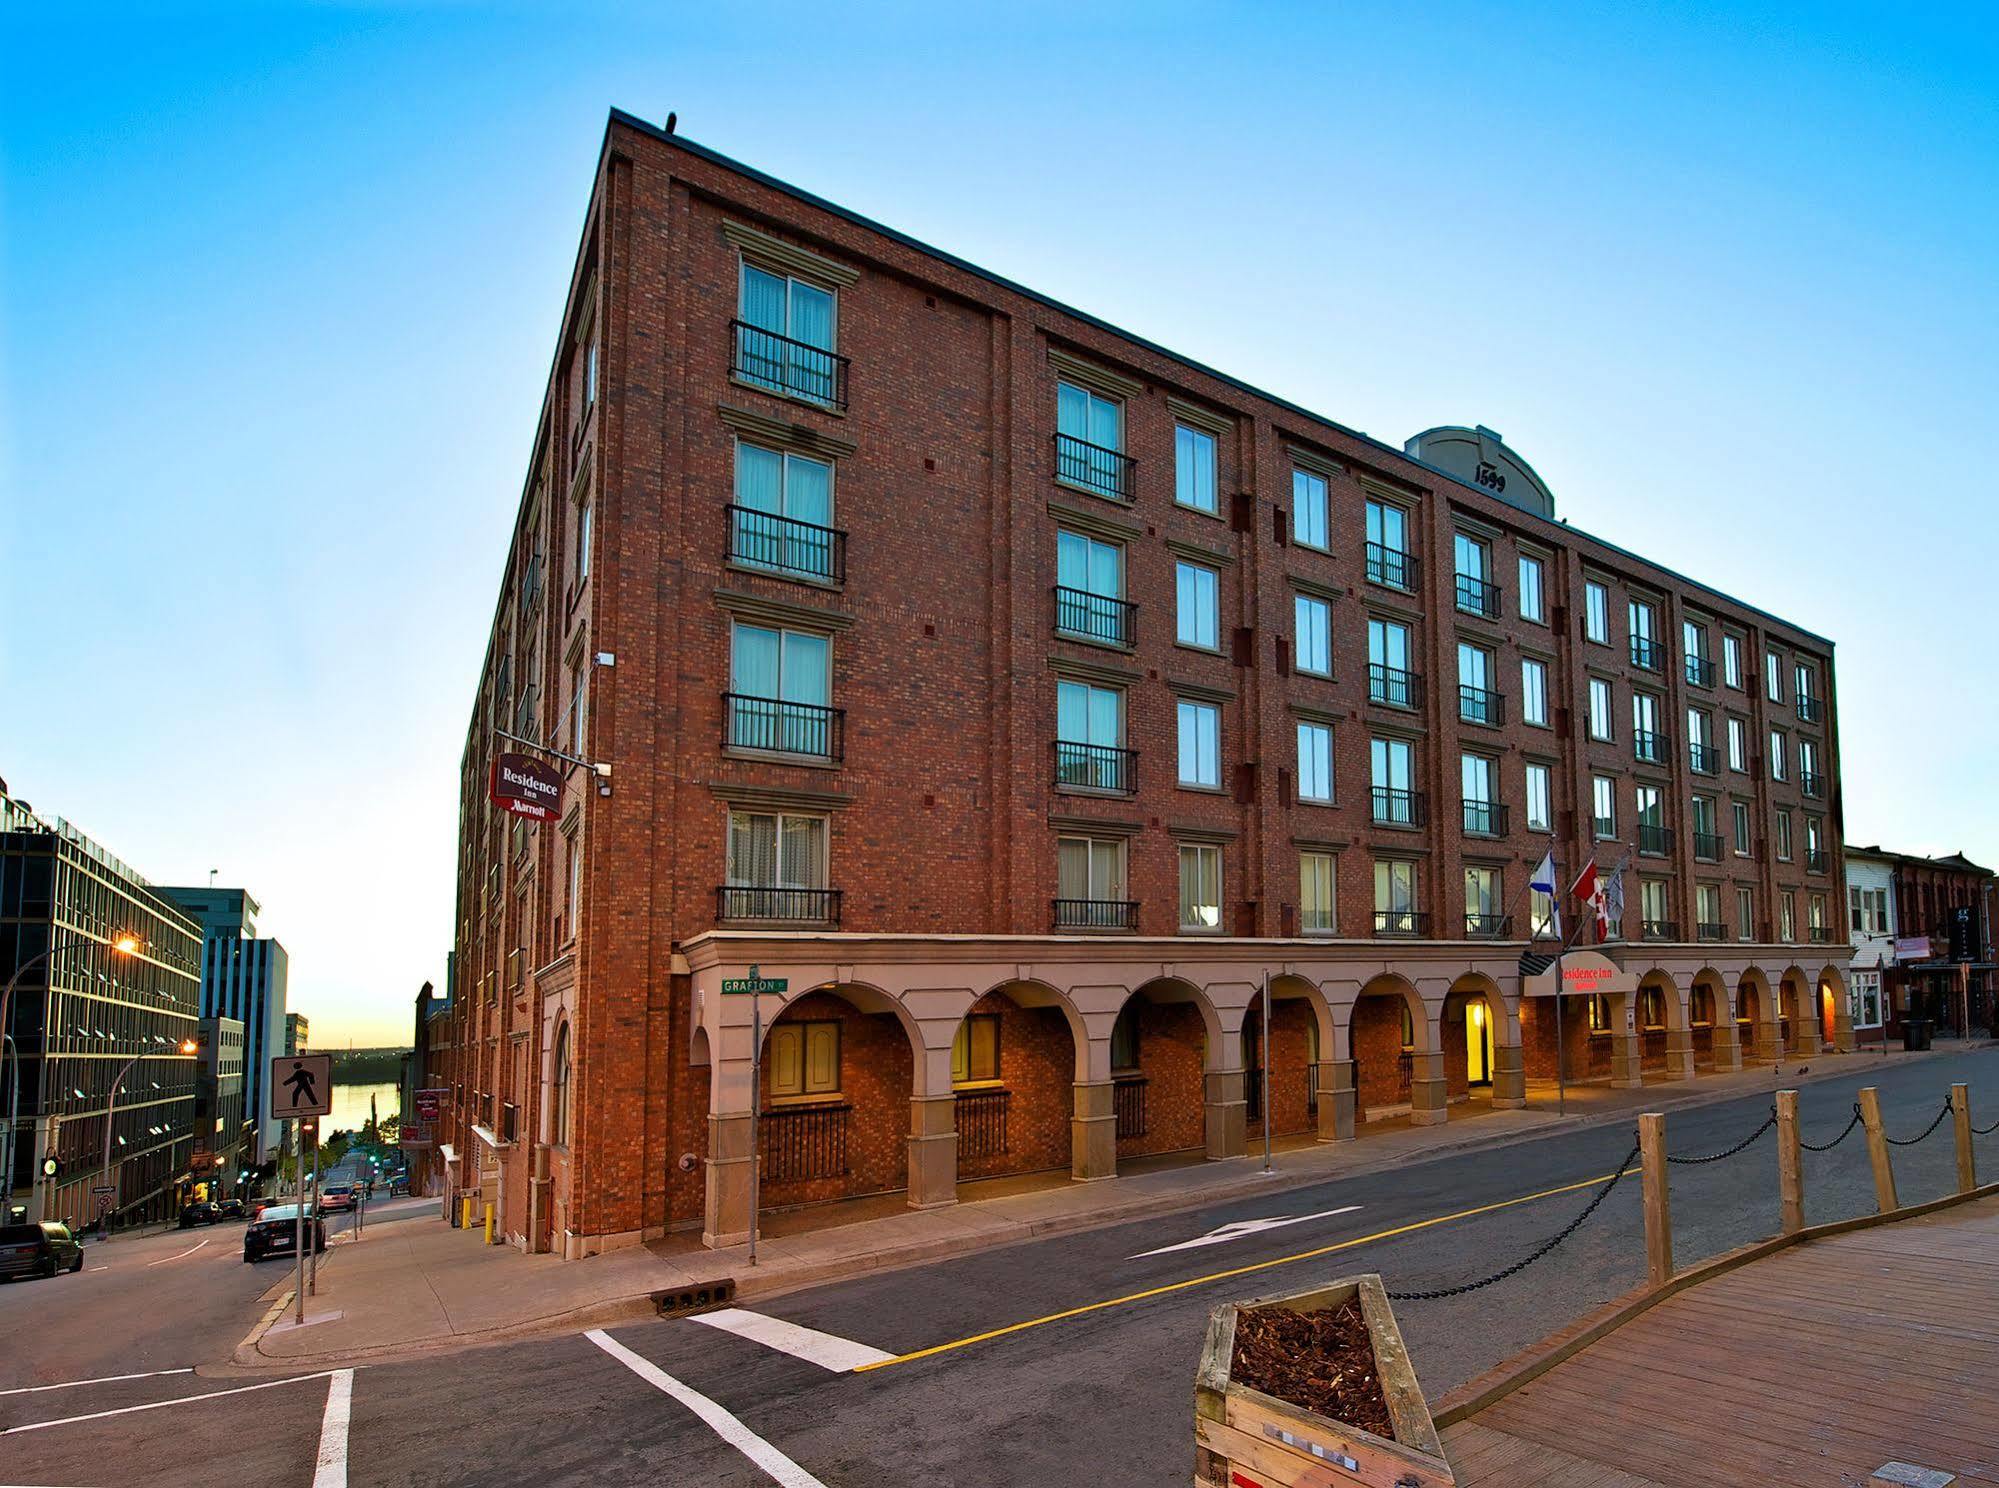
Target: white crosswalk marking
[
  {"x": 824, "y": 1349},
  {"x": 331, "y": 1471}
]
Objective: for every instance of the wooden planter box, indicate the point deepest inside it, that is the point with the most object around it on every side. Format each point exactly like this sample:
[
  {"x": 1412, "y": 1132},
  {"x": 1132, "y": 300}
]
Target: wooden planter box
[{"x": 1244, "y": 1438}]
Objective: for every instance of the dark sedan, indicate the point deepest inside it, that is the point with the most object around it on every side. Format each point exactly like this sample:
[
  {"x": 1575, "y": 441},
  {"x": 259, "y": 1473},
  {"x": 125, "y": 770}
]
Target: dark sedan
[
  {"x": 38, "y": 1250},
  {"x": 275, "y": 1232}
]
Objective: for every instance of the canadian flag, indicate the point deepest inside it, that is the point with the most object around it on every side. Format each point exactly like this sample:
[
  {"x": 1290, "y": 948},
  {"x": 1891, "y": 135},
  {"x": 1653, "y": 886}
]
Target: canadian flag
[{"x": 1590, "y": 891}]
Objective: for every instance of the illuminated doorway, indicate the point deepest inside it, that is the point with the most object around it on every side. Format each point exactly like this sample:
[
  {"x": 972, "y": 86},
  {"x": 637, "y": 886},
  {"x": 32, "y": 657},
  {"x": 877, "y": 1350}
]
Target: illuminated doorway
[{"x": 1478, "y": 1042}]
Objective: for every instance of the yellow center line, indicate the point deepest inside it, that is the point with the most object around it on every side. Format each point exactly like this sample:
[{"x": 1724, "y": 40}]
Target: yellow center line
[{"x": 1214, "y": 1276}]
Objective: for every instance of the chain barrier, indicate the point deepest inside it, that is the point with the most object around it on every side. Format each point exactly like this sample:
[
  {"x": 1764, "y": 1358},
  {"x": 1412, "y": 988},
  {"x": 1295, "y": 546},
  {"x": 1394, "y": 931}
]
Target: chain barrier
[
  {"x": 1694, "y": 1162},
  {"x": 1521, "y": 1265},
  {"x": 1828, "y": 1146},
  {"x": 1911, "y": 1141},
  {"x": 1985, "y": 1131}
]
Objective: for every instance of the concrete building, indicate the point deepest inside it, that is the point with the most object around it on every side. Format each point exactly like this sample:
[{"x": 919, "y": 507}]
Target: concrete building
[
  {"x": 247, "y": 978},
  {"x": 1027, "y": 696},
  {"x": 224, "y": 1133},
  {"x": 102, "y": 1022},
  {"x": 297, "y": 1031},
  {"x": 1870, "y": 918}
]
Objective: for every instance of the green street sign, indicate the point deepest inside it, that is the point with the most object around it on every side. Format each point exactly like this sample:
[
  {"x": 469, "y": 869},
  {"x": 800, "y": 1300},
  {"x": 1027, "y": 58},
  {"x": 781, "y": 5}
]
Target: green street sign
[{"x": 755, "y": 984}]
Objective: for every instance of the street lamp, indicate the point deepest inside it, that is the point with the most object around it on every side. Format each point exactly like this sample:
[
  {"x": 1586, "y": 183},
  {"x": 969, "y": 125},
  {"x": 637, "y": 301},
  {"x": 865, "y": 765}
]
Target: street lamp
[{"x": 186, "y": 1046}]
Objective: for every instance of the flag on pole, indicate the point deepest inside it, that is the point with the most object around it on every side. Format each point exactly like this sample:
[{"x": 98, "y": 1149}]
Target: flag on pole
[
  {"x": 1610, "y": 904},
  {"x": 1542, "y": 881}
]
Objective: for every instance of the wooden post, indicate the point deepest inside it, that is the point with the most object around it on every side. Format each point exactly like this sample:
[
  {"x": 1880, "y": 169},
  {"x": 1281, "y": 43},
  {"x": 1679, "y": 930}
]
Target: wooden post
[
  {"x": 1960, "y": 1110},
  {"x": 1877, "y": 1150},
  {"x": 1658, "y": 1206},
  {"x": 1790, "y": 1163}
]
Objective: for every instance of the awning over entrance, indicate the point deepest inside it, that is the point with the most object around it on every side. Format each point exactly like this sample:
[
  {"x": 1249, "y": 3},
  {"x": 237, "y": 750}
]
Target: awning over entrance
[{"x": 1583, "y": 973}]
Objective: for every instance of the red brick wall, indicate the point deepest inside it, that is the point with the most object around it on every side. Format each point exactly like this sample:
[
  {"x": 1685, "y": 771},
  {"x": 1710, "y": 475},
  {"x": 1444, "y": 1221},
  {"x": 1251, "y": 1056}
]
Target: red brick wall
[
  {"x": 875, "y": 1069},
  {"x": 1172, "y": 1050},
  {"x": 1291, "y": 1023},
  {"x": 1588, "y": 1054},
  {"x": 1377, "y": 1052},
  {"x": 1038, "y": 1070}
]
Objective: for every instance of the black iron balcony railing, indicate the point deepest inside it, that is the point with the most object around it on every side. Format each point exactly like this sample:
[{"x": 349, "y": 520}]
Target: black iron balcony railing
[
  {"x": 760, "y": 902},
  {"x": 786, "y": 366},
  {"x": 1398, "y": 808},
  {"x": 782, "y": 727},
  {"x": 764, "y": 539},
  {"x": 1647, "y": 653},
  {"x": 803, "y": 1142},
  {"x": 1703, "y": 759},
  {"x": 1707, "y": 846},
  {"x": 1096, "y": 914},
  {"x": 1401, "y": 922},
  {"x": 1128, "y": 1105},
  {"x": 1096, "y": 766},
  {"x": 1711, "y": 930},
  {"x": 1094, "y": 467},
  {"x": 1810, "y": 709},
  {"x": 1659, "y": 929},
  {"x": 1480, "y": 705},
  {"x": 1488, "y": 926},
  {"x": 1391, "y": 566},
  {"x": 1811, "y": 784},
  {"x": 1648, "y": 746},
  {"x": 1817, "y": 860},
  {"x": 1478, "y": 596},
  {"x": 1095, "y": 617},
  {"x": 981, "y": 1116},
  {"x": 1393, "y": 686},
  {"x": 1700, "y": 672},
  {"x": 1653, "y": 839},
  {"x": 1485, "y": 818}
]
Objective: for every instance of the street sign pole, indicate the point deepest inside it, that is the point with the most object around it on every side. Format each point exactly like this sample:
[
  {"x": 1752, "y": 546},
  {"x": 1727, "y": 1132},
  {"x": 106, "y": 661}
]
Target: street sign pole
[
  {"x": 298, "y": 1215},
  {"x": 756, "y": 1106},
  {"x": 312, "y": 1273},
  {"x": 1264, "y": 1073}
]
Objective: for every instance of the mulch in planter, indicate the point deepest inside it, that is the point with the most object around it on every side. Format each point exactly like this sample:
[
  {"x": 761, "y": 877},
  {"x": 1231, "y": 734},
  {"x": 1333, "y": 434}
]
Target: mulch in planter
[{"x": 1322, "y": 1360}]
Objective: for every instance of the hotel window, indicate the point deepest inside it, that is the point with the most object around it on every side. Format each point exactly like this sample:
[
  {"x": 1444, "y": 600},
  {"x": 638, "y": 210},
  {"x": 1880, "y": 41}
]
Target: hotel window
[
  {"x": 1533, "y": 691},
  {"x": 1652, "y": 907},
  {"x": 1477, "y": 702},
  {"x": 1646, "y": 741},
  {"x": 1808, "y": 768},
  {"x": 1651, "y": 820},
  {"x": 1707, "y": 909},
  {"x": 1315, "y": 762},
  {"x": 1783, "y": 836},
  {"x": 787, "y": 342},
  {"x": 1389, "y": 679},
  {"x": 1200, "y": 887},
  {"x": 783, "y": 515},
  {"x": 579, "y": 703},
  {"x": 1773, "y": 676},
  {"x": 1476, "y": 591},
  {"x": 1731, "y": 661},
  {"x": 1643, "y": 619},
  {"x": 1200, "y": 744},
  {"x": 1651, "y": 1009},
  {"x": 1393, "y": 778},
  {"x": 1124, "y": 1038},
  {"x": 1308, "y": 508},
  {"x": 582, "y": 540},
  {"x": 1700, "y": 742},
  {"x": 1745, "y": 913},
  {"x": 590, "y": 372},
  {"x": 1599, "y": 708},
  {"x": 1865, "y": 999},
  {"x": 1738, "y": 745},
  {"x": 1693, "y": 641},
  {"x": 1194, "y": 468},
  {"x": 1801, "y": 681},
  {"x": 573, "y": 887},
  {"x": 1707, "y": 831},
  {"x": 1317, "y": 893},
  {"x": 1483, "y": 815},
  {"x": 1198, "y": 609},
  {"x": 1815, "y": 843},
  {"x": 1815, "y": 916},
  {"x": 1603, "y": 805},
  {"x": 1777, "y": 753},
  {"x": 1089, "y": 444},
  {"x": 1596, "y": 612},
  {"x": 1088, "y": 870},
  {"x": 1540, "y": 815},
  {"x": 777, "y": 852},
  {"x": 1395, "y": 896},
  {"x": 1787, "y": 917},
  {"x": 1484, "y": 909},
  {"x": 1530, "y": 590},
  {"x": 781, "y": 684},
  {"x": 975, "y": 1050},
  {"x": 1388, "y": 558},
  {"x": 804, "y": 1059},
  {"x": 1540, "y": 912},
  {"x": 1089, "y": 737},
  {"x": 1312, "y": 620},
  {"x": 1743, "y": 836},
  {"x": 1599, "y": 1013}
]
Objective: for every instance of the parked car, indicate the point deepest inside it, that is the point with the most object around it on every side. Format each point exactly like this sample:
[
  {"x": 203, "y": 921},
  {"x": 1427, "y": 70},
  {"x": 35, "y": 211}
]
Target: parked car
[
  {"x": 38, "y": 1250},
  {"x": 337, "y": 1198},
  {"x": 275, "y": 1232},
  {"x": 199, "y": 1213},
  {"x": 398, "y": 1186},
  {"x": 230, "y": 1208}
]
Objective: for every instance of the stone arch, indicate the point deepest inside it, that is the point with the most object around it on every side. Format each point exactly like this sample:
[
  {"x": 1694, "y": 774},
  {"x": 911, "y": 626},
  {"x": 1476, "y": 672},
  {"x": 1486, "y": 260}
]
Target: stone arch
[
  {"x": 1388, "y": 984},
  {"x": 1013, "y": 1080},
  {"x": 1171, "y": 991},
  {"x": 698, "y": 1056},
  {"x": 1793, "y": 998},
  {"x": 1300, "y": 1043},
  {"x": 1834, "y": 1008},
  {"x": 1755, "y": 1015},
  {"x": 1031, "y": 992},
  {"x": 1710, "y": 1017},
  {"x": 1166, "y": 1038},
  {"x": 1389, "y": 1039},
  {"x": 1473, "y": 1024}
]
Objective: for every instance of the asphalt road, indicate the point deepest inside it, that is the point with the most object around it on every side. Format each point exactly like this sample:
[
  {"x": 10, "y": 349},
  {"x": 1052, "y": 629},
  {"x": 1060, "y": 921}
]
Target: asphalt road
[{"x": 1087, "y": 1377}]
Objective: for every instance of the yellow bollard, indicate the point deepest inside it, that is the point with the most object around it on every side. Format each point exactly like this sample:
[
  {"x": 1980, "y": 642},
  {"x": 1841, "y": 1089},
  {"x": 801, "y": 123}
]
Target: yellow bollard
[{"x": 489, "y": 1224}]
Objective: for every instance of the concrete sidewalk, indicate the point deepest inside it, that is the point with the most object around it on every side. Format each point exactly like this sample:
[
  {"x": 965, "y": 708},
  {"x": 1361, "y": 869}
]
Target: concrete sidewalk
[{"x": 419, "y": 1285}]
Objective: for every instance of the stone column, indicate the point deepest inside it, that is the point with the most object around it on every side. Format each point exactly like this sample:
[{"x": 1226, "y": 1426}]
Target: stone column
[
  {"x": 725, "y": 1218},
  {"x": 1727, "y": 1043},
  {"x": 1509, "y": 1076},
  {"x": 1769, "y": 1036},
  {"x": 1336, "y": 1110},
  {"x": 1627, "y": 1057},
  {"x": 1228, "y": 1114},
  {"x": 1679, "y": 1053},
  {"x": 933, "y": 1151},
  {"x": 1429, "y": 1092},
  {"x": 1093, "y": 1131},
  {"x": 1842, "y": 1024}
]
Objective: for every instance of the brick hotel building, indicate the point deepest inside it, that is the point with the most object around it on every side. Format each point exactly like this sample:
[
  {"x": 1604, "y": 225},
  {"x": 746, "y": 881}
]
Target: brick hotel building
[{"x": 1027, "y": 697}]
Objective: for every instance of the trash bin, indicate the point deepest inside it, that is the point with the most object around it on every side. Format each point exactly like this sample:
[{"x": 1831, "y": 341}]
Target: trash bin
[{"x": 1915, "y": 1034}]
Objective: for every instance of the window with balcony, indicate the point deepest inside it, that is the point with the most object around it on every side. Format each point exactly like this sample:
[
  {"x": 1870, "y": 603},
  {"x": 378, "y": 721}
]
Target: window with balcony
[
  {"x": 1648, "y": 740},
  {"x": 1200, "y": 886},
  {"x": 784, "y": 338},
  {"x": 1089, "y": 738},
  {"x": 1395, "y": 911},
  {"x": 1805, "y": 682},
  {"x": 1090, "y": 885},
  {"x": 782, "y": 518},
  {"x": 1477, "y": 593},
  {"x": 1738, "y": 745},
  {"x": 1783, "y": 836},
  {"x": 1089, "y": 590},
  {"x": 1393, "y": 782},
  {"x": 1484, "y": 816},
  {"x": 1200, "y": 728},
  {"x": 1540, "y": 810},
  {"x": 1533, "y": 691},
  {"x": 1532, "y": 604},
  {"x": 1709, "y": 924},
  {"x": 1478, "y": 702},
  {"x": 1309, "y": 509},
  {"x": 1652, "y": 838},
  {"x": 1707, "y": 830},
  {"x": 1731, "y": 661},
  {"x": 777, "y": 869},
  {"x": 1700, "y": 743},
  {"x": 1778, "y": 752},
  {"x": 1485, "y": 908},
  {"x": 1654, "y": 920},
  {"x": 1773, "y": 676},
  {"x": 1603, "y": 807},
  {"x": 1744, "y": 836},
  {"x": 1197, "y": 606},
  {"x": 780, "y": 686},
  {"x": 1745, "y": 914},
  {"x": 1599, "y": 708},
  {"x": 1194, "y": 468},
  {"x": 1089, "y": 442},
  {"x": 1389, "y": 679},
  {"x": 1312, "y": 634},
  {"x": 1810, "y": 782},
  {"x": 1646, "y": 652},
  {"x": 1815, "y": 921},
  {"x": 1318, "y": 896},
  {"x": 1596, "y": 612},
  {"x": 1389, "y": 561},
  {"x": 1315, "y": 762},
  {"x": 1698, "y": 664},
  {"x": 1817, "y": 859}
]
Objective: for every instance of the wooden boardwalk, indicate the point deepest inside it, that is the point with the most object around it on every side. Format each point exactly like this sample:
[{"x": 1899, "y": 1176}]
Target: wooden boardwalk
[{"x": 1812, "y": 1366}]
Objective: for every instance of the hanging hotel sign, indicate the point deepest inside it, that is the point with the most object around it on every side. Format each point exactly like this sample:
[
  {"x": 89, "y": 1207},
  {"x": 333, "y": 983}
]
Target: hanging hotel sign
[
  {"x": 525, "y": 786},
  {"x": 1584, "y": 974},
  {"x": 1912, "y": 948}
]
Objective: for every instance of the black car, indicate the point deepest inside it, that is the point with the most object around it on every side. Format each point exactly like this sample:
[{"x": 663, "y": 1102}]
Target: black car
[
  {"x": 230, "y": 1208},
  {"x": 38, "y": 1250},
  {"x": 275, "y": 1232},
  {"x": 199, "y": 1214}
]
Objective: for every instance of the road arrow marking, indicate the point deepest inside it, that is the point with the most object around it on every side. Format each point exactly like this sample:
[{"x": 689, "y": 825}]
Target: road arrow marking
[{"x": 1242, "y": 1229}]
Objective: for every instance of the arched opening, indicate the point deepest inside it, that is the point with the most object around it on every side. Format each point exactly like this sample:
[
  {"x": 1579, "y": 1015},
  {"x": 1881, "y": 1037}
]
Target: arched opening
[
  {"x": 1159, "y": 1054},
  {"x": 1792, "y": 1034},
  {"x": 1013, "y": 1071},
  {"x": 1470, "y": 1030},
  {"x": 1704, "y": 1002},
  {"x": 1749, "y": 1017},
  {"x": 1292, "y": 1083},
  {"x": 837, "y": 1073},
  {"x": 1386, "y": 1030},
  {"x": 558, "y": 1089}
]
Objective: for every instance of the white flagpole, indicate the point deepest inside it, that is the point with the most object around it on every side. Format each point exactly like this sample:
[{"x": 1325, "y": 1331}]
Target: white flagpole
[
  {"x": 1264, "y": 1073},
  {"x": 1561, "y": 1045}
]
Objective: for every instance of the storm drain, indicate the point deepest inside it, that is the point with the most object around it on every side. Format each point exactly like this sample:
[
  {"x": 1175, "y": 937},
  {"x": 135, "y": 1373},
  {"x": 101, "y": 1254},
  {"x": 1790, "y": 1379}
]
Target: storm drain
[{"x": 681, "y": 1301}]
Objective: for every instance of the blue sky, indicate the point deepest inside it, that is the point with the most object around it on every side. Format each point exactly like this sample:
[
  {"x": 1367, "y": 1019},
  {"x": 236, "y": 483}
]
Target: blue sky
[{"x": 279, "y": 287}]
